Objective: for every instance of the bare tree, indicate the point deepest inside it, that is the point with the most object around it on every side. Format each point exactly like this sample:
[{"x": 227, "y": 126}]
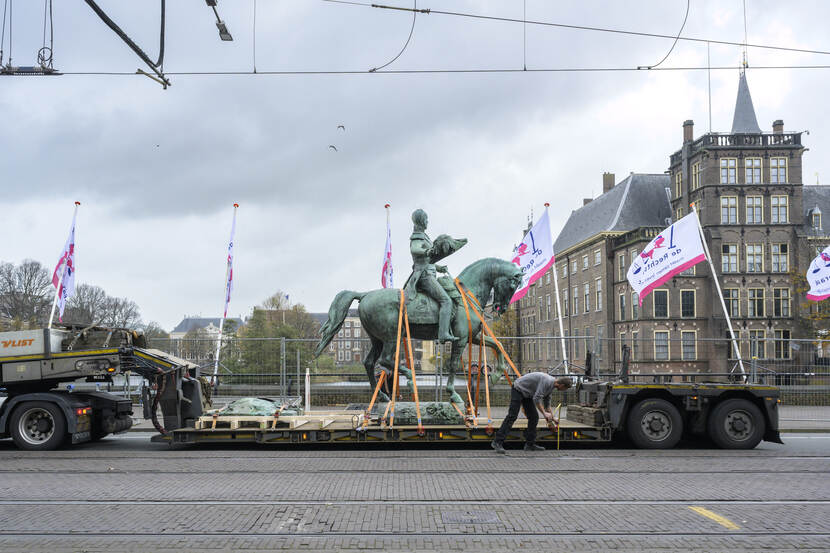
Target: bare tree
[
  {"x": 25, "y": 296},
  {"x": 120, "y": 312},
  {"x": 86, "y": 306}
]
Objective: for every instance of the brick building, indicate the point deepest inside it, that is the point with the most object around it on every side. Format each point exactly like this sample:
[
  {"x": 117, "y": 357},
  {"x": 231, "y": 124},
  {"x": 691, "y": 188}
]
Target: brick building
[{"x": 760, "y": 223}]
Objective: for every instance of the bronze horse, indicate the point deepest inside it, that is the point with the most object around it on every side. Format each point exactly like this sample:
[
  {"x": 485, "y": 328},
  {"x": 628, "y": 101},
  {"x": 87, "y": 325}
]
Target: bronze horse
[{"x": 378, "y": 310}]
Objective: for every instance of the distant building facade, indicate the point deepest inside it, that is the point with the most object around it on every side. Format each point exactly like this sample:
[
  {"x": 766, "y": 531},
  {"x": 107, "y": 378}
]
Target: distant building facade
[{"x": 761, "y": 224}]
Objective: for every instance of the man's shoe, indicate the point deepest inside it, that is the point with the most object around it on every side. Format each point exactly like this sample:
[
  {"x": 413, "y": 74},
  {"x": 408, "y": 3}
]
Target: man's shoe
[
  {"x": 533, "y": 447},
  {"x": 498, "y": 446}
]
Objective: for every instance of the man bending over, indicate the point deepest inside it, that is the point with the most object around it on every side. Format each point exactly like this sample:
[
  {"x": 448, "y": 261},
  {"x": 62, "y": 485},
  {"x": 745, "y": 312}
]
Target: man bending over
[{"x": 531, "y": 391}]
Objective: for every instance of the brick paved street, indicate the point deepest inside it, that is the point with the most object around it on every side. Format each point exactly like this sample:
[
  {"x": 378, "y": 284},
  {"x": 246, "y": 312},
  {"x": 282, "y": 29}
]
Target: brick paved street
[{"x": 126, "y": 494}]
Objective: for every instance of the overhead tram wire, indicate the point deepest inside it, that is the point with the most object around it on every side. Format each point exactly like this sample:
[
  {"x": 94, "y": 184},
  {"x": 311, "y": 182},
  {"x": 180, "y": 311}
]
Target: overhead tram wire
[
  {"x": 440, "y": 71},
  {"x": 429, "y": 11},
  {"x": 411, "y": 30}
]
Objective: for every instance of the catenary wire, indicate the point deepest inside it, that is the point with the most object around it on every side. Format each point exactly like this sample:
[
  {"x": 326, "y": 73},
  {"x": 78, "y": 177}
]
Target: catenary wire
[
  {"x": 411, "y": 30},
  {"x": 582, "y": 27},
  {"x": 683, "y": 26}
]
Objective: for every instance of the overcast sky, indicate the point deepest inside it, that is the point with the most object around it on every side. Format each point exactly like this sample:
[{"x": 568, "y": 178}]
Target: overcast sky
[{"x": 157, "y": 171}]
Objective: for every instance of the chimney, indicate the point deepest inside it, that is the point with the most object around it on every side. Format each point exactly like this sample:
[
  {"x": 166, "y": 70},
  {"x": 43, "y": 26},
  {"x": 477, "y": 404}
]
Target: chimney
[
  {"x": 778, "y": 126},
  {"x": 688, "y": 130},
  {"x": 586, "y": 201},
  {"x": 607, "y": 182}
]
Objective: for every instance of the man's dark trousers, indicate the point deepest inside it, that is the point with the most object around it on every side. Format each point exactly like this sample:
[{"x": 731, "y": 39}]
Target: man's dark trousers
[{"x": 517, "y": 401}]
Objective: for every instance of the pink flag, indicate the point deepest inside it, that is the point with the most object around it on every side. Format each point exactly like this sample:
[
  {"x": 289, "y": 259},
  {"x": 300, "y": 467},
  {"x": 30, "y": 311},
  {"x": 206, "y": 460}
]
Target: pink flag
[
  {"x": 534, "y": 255},
  {"x": 673, "y": 251},
  {"x": 63, "y": 277},
  {"x": 386, "y": 270}
]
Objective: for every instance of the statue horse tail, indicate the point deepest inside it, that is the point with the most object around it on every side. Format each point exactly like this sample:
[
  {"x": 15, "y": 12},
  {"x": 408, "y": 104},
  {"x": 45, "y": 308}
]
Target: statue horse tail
[{"x": 337, "y": 314}]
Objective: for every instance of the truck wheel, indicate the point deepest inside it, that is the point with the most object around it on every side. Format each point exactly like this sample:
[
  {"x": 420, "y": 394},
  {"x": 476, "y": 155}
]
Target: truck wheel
[
  {"x": 655, "y": 424},
  {"x": 736, "y": 424},
  {"x": 38, "y": 425}
]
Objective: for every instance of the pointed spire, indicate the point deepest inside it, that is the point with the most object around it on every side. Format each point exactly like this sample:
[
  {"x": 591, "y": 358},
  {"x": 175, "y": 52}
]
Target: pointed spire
[{"x": 744, "y": 120}]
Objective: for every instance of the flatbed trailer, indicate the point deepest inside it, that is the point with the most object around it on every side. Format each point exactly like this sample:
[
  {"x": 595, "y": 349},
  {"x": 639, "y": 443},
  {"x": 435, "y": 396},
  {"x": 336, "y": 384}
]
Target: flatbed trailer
[{"x": 652, "y": 416}]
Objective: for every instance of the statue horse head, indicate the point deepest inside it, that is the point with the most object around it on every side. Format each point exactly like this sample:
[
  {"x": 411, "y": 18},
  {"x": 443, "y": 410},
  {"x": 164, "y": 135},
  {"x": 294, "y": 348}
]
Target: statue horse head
[{"x": 501, "y": 277}]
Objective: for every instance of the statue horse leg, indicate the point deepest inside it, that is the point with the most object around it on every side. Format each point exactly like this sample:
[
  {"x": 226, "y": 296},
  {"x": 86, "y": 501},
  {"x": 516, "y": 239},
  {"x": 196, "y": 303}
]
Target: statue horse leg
[
  {"x": 454, "y": 363},
  {"x": 369, "y": 362}
]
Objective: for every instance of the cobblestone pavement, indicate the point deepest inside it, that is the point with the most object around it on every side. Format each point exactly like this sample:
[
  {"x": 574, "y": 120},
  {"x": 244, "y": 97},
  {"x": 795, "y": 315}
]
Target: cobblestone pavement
[{"x": 126, "y": 494}]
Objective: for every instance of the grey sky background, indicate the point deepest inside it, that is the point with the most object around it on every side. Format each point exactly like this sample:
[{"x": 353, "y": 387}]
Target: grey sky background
[{"x": 157, "y": 171}]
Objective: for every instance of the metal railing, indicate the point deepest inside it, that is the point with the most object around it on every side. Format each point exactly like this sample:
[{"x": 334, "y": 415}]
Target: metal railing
[{"x": 277, "y": 367}]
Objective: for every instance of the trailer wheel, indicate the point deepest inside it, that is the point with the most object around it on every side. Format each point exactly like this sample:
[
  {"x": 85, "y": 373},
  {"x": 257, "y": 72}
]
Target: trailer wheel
[
  {"x": 655, "y": 424},
  {"x": 736, "y": 424},
  {"x": 38, "y": 425}
]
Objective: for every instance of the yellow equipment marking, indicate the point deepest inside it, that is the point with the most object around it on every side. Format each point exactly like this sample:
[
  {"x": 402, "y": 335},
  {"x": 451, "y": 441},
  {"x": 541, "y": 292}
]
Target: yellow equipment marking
[{"x": 723, "y": 521}]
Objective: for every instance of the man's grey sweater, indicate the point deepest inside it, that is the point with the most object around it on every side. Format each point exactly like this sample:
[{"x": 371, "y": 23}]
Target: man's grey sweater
[{"x": 538, "y": 386}]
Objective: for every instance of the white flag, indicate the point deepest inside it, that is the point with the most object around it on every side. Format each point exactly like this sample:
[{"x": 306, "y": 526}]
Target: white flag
[
  {"x": 534, "y": 255},
  {"x": 63, "y": 277},
  {"x": 818, "y": 275},
  {"x": 386, "y": 269},
  {"x": 673, "y": 251},
  {"x": 229, "y": 282}
]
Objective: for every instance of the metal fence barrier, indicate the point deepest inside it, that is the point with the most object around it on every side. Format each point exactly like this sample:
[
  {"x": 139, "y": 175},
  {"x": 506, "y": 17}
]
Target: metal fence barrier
[{"x": 276, "y": 367}]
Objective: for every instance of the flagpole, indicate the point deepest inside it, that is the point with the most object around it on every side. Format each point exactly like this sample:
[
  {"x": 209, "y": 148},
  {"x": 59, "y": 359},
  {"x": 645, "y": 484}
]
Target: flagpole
[
  {"x": 720, "y": 293},
  {"x": 63, "y": 273},
  {"x": 558, "y": 305},
  {"x": 225, "y": 310}
]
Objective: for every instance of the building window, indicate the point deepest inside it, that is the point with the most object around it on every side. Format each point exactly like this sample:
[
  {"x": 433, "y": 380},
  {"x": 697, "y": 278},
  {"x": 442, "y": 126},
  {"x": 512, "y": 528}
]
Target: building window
[
  {"x": 340, "y": 355},
  {"x": 348, "y": 324},
  {"x": 599, "y": 294},
  {"x": 687, "y": 304},
  {"x": 752, "y": 166},
  {"x": 547, "y": 312},
  {"x": 564, "y": 270},
  {"x": 621, "y": 344},
  {"x": 777, "y": 170},
  {"x": 565, "y": 302},
  {"x": 635, "y": 346},
  {"x": 755, "y": 297},
  {"x": 678, "y": 184},
  {"x": 780, "y": 258},
  {"x": 584, "y": 262},
  {"x": 547, "y": 276},
  {"x": 348, "y": 345},
  {"x": 661, "y": 304},
  {"x": 688, "y": 341},
  {"x": 757, "y": 344},
  {"x": 635, "y": 305},
  {"x": 696, "y": 175},
  {"x": 678, "y": 214},
  {"x": 573, "y": 267},
  {"x": 779, "y": 211},
  {"x": 816, "y": 221},
  {"x": 781, "y": 302},
  {"x": 348, "y": 332},
  {"x": 754, "y": 210},
  {"x": 729, "y": 258},
  {"x": 729, "y": 210},
  {"x": 576, "y": 300},
  {"x": 732, "y": 299},
  {"x": 621, "y": 269},
  {"x": 622, "y": 307},
  {"x": 661, "y": 345},
  {"x": 754, "y": 258},
  {"x": 597, "y": 257},
  {"x": 540, "y": 312},
  {"x": 782, "y": 344},
  {"x": 587, "y": 296},
  {"x": 357, "y": 333},
  {"x": 727, "y": 170}
]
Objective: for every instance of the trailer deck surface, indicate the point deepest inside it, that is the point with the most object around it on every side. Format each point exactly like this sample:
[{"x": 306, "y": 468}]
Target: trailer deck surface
[{"x": 346, "y": 427}]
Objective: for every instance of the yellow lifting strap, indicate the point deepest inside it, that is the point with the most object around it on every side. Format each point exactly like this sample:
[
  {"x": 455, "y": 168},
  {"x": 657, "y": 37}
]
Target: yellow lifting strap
[
  {"x": 410, "y": 363},
  {"x": 397, "y": 361},
  {"x": 469, "y": 346},
  {"x": 487, "y": 328}
]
